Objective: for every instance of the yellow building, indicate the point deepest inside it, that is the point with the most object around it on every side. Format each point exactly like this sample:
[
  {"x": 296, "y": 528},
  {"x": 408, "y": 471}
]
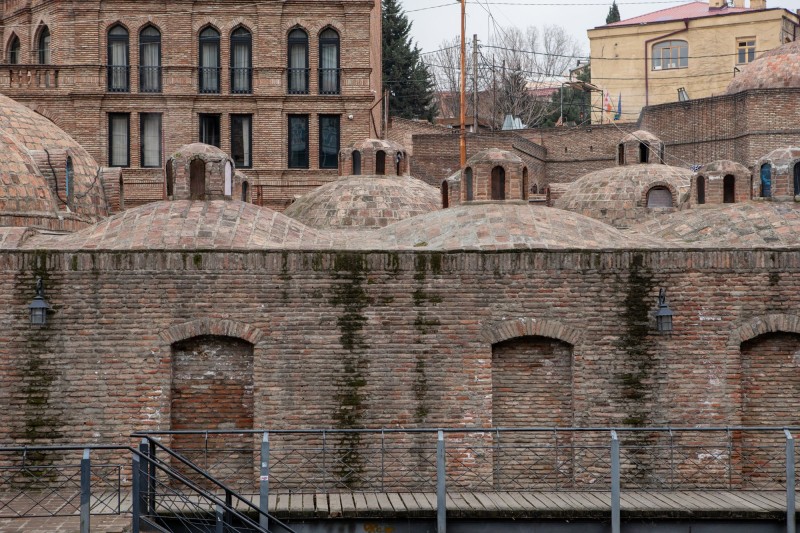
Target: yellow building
[{"x": 697, "y": 47}]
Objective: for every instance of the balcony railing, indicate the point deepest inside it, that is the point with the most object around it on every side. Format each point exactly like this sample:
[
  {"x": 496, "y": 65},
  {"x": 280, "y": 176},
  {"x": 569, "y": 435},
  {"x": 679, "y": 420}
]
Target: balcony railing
[
  {"x": 119, "y": 79},
  {"x": 241, "y": 80},
  {"x": 209, "y": 80},
  {"x": 329, "y": 81},
  {"x": 298, "y": 80},
  {"x": 30, "y": 77},
  {"x": 150, "y": 79}
]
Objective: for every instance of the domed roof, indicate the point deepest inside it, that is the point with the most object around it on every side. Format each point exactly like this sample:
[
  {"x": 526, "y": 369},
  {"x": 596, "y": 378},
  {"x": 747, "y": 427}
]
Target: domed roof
[
  {"x": 747, "y": 224},
  {"x": 206, "y": 151},
  {"x": 494, "y": 155},
  {"x": 640, "y": 135},
  {"x": 375, "y": 145},
  {"x": 360, "y": 202},
  {"x": 36, "y": 133},
  {"x": 506, "y": 226},
  {"x": 782, "y": 155},
  {"x": 187, "y": 225},
  {"x": 776, "y": 69},
  {"x": 723, "y": 166},
  {"x": 618, "y": 195},
  {"x": 23, "y": 191}
]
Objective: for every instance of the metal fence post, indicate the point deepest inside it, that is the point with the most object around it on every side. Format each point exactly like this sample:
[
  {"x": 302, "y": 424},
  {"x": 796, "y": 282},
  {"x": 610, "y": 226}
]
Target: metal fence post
[
  {"x": 441, "y": 488},
  {"x": 145, "y": 503},
  {"x": 220, "y": 519},
  {"x": 263, "y": 520},
  {"x": 615, "y": 483},
  {"x": 86, "y": 491},
  {"x": 135, "y": 489},
  {"x": 790, "y": 501}
]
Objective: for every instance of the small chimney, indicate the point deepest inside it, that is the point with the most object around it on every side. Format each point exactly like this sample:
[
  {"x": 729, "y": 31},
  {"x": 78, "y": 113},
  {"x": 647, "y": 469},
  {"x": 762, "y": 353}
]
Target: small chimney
[
  {"x": 717, "y": 4},
  {"x": 758, "y": 4}
]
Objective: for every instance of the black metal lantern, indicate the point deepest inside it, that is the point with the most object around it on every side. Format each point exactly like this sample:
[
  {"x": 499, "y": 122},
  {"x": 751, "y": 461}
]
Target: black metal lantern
[
  {"x": 664, "y": 313},
  {"x": 39, "y": 306}
]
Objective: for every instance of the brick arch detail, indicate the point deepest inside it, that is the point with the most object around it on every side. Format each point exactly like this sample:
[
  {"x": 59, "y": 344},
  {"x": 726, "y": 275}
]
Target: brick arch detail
[
  {"x": 208, "y": 23},
  {"x": 772, "y": 323},
  {"x": 240, "y": 22},
  {"x": 50, "y": 115},
  {"x": 334, "y": 25},
  {"x": 512, "y": 328},
  {"x": 147, "y": 24},
  {"x": 212, "y": 326},
  {"x": 661, "y": 183},
  {"x": 118, "y": 23}
]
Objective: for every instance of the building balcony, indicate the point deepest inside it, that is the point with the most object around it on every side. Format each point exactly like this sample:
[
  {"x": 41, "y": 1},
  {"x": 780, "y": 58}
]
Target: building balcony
[
  {"x": 27, "y": 77},
  {"x": 330, "y": 81},
  {"x": 150, "y": 79},
  {"x": 298, "y": 80}
]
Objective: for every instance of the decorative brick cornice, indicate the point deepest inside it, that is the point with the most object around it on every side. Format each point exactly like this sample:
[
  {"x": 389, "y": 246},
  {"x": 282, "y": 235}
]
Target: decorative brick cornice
[
  {"x": 512, "y": 328},
  {"x": 765, "y": 324},
  {"x": 212, "y": 326}
]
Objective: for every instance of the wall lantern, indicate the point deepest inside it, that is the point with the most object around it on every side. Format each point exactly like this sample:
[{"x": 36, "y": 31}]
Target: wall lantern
[
  {"x": 39, "y": 306},
  {"x": 664, "y": 313}
]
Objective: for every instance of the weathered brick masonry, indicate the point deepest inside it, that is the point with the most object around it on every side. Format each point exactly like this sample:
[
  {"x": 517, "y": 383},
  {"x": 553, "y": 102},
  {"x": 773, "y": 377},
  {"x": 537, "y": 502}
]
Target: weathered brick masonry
[{"x": 405, "y": 339}]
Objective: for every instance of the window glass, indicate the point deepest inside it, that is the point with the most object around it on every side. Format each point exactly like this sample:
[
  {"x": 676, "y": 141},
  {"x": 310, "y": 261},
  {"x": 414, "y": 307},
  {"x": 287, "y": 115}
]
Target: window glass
[
  {"x": 670, "y": 54},
  {"x": 118, "y": 59},
  {"x": 209, "y": 129},
  {"x": 118, "y": 134},
  {"x": 241, "y": 140},
  {"x": 13, "y": 51},
  {"x": 746, "y": 51},
  {"x": 151, "y": 139},
  {"x": 209, "y": 61},
  {"x": 68, "y": 180},
  {"x": 298, "y": 62},
  {"x": 241, "y": 56},
  {"x": 328, "y": 141},
  {"x": 150, "y": 60},
  {"x": 44, "y": 46},
  {"x": 298, "y": 141},
  {"x": 329, "y": 62}
]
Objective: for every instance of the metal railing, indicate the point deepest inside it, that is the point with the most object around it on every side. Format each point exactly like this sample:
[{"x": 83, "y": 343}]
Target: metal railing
[
  {"x": 241, "y": 80},
  {"x": 119, "y": 79},
  {"x": 209, "y": 79},
  {"x": 297, "y": 80},
  {"x": 329, "y": 81},
  {"x": 150, "y": 79}
]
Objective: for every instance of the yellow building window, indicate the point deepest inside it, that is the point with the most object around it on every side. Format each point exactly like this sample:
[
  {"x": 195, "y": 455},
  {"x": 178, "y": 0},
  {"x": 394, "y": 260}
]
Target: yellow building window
[
  {"x": 670, "y": 54},
  {"x": 746, "y": 51}
]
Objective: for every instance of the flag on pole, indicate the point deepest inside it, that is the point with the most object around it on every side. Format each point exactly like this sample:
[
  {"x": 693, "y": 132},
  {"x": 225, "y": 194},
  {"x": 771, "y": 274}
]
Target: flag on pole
[
  {"x": 607, "y": 103},
  {"x": 618, "y": 115}
]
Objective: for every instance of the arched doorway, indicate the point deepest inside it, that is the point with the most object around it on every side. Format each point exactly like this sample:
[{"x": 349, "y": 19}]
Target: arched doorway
[
  {"x": 245, "y": 191},
  {"x": 380, "y": 163},
  {"x": 659, "y": 197},
  {"x": 797, "y": 179},
  {"x": 621, "y": 154},
  {"x": 766, "y": 180},
  {"x": 729, "y": 189},
  {"x": 701, "y": 190},
  {"x": 468, "y": 184},
  {"x": 356, "y": 163},
  {"x": 498, "y": 183},
  {"x": 644, "y": 152},
  {"x": 525, "y": 184},
  {"x": 197, "y": 179},
  {"x": 170, "y": 178},
  {"x": 445, "y": 195}
]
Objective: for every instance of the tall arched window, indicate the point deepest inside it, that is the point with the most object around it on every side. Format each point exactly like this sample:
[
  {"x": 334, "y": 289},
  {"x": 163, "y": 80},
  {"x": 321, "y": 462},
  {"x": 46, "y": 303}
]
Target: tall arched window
[
  {"x": 209, "y": 61},
  {"x": 766, "y": 180},
  {"x": 670, "y": 54},
  {"x": 729, "y": 189},
  {"x": 701, "y": 190},
  {"x": 380, "y": 163},
  {"x": 150, "y": 60},
  {"x": 298, "y": 62},
  {"x": 468, "y": 184},
  {"x": 241, "y": 61},
  {"x": 445, "y": 195},
  {"x": 329, "y": 62},
  {"x": 621, "y": 153},
  {"x": 525, "y": 183},
  {"x": 356, "y": 163},
  {"x": 197, "y": 180},
  {"x": 44, "y": 46},
  {"x": 498, "y": 183},
  {"x": 118, "y": 60},
  {"x": 170, "y": 178},
  {"x": 69, "y": 178},
  {"x": 245, "y": 191},
  {"x": 13, "y": 51},
  {"x": 644, "y": 152}
]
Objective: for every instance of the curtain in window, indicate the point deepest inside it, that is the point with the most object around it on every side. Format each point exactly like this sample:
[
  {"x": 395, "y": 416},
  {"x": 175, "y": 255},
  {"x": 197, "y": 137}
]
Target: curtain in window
[
  {"x": 297, "y": 62},
  {"x": 298, "y": 142},
  {"x": 328, "y": 57},
  {"x": 13, "y": 54},
  {"x": 246, "y": 129},
  {"x": 241, "y": 66},
  {"x": 240, "y": 140},
  {"x": 44, "y": 47},
  {"x": 119, "y": 141},
  {"x": 118, "y": 57},
  {"x": 150, "y": 59},
  {"x": 151, "y": 140},
  {"x": 329, "y": 142},
  {"x": 209, "y": 56}
]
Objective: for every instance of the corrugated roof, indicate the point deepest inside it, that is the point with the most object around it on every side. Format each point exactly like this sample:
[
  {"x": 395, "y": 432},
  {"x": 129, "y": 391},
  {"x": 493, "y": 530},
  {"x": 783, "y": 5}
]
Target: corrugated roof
[{"x": 691, "y": 10}]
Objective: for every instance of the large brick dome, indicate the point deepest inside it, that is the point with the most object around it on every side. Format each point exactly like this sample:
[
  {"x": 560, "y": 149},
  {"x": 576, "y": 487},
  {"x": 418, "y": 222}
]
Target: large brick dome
[
  {"x": 361, "y": 202},
  {"x": 778, "y": 68},
  {"x": 24, "y": 193},
  {"x": 620, "y": 196}
]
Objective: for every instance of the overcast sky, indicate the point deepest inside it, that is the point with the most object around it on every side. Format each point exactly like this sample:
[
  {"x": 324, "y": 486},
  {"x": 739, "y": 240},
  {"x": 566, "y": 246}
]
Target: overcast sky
[{"x": 436, "y": 24}]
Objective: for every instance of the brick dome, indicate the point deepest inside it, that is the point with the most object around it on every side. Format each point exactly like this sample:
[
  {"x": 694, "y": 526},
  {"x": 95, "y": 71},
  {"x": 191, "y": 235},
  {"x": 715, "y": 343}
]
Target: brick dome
[
  {"x": 505, "y": 226},
  {"x": 361, "y": 202},
  {"x": 620, "y": 196},
  {"x": 24, "y": 192},
  {"x": 747, "y": 224},
  {"x": 778, "y": 68}
]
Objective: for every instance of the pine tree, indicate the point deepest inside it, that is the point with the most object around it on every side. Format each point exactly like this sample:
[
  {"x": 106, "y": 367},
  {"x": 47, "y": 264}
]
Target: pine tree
[
  {"x": 613, "y": 13},
  {"x": 404, "y": 74},
  {"x": 576, "y": 103}
]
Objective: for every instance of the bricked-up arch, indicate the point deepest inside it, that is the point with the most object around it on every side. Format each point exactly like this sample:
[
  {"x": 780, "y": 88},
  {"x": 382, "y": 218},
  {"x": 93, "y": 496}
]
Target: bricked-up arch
[
  {"x": 526, "y": 326},
  {"x": 212, "y": 326},
  {"x": 772, "y": 323}
]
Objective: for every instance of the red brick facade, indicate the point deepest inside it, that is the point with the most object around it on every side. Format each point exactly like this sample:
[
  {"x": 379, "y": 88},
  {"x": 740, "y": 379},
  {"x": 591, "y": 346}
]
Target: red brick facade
[{"x": 73, "y": 89}]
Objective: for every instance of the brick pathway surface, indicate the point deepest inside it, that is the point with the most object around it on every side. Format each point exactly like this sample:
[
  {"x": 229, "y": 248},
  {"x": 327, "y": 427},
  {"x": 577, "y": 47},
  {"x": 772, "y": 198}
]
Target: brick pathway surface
[{"x": 71, "y": 524}]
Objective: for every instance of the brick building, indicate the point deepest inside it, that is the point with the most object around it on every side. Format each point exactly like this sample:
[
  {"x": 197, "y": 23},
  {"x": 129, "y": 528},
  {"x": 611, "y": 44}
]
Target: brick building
[{"x": 277, "y": 85}]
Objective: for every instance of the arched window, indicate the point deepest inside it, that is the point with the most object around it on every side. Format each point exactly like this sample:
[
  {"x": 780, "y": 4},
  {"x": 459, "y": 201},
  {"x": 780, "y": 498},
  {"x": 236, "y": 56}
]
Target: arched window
[
  {"x": 241, "y": 61},
  {"x": 197, "y": 180},
  {"x": 245, "y": 191},
  {"x": 298, "y": 62},
  {"x": 766, "y": 180},
  {"x": 13, "y": 51},
  {"x": 44, "y": 46},
  {"x": 228, "y": 185},
  {"x": 150, "y": 60},
  {"x": 644, "y": 152},
  {"x": 797, "y": 179},
  {"x": 380, "y": 163},
  {"x": 659, "y": 197},
  {"x": 498, "y": 183},
  {"x": 621, "y": 153},
  {"x": 468, "y": 184},
  {"x": 729, "y": 189},
  {"x": 445, "y": 195},
  {"x": 701, "y": 190},
  {"x": 525, "y": 184},
  {"x": 69, "y": 180},
  {"x": 356, "y": 163},
  {"x": 329, "y": 62},
  {"x": 170, "y": 178},
  {"x": 398, "y": 160},
  {"x": 209, "y": 61},
  {"x": 118, "y": 72},
  {"x": 670, "y": 54}
]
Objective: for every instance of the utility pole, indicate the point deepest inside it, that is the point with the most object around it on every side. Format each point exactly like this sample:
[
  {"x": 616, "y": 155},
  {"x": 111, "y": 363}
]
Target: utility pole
[
  {"x": 463, "y": 83},
  {"x": 494, "y": 96},
  {"x": 475, "y": 128},
  {"x": 386, "y": 114}
]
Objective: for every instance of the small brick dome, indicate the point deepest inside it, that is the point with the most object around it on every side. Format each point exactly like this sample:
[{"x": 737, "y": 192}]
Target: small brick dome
[
  {"x": 380, "y": 157},
  {"x": 778, "y": 68},
  {"x": 23, "y": 190},
  {"x": 623, "y": 196},
  {"x": 360, "y": 202},
  {"x": 719, "y": 182},
  {"x": 505, "y": 226},
  {"x": 200, "y": 171},
  {"x": 494, "y": 175},
  {"x": 640, "y": 147}
]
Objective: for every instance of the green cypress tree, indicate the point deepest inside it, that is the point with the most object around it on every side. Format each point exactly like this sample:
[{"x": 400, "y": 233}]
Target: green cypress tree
[
  {"x": 613, "y": 13},
  {"x": 404, "y": 74}
]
